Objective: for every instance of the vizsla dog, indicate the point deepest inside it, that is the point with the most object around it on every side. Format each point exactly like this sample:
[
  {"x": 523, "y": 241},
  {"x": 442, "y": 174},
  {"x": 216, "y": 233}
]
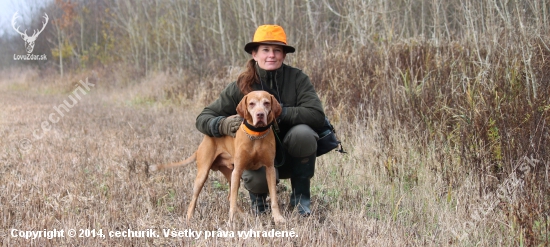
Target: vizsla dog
[{"x": 253, "y": 147}]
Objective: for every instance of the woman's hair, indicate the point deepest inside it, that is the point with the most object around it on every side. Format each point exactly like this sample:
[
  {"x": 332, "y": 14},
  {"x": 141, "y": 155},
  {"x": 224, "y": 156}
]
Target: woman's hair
[{"x": 248, "y": 77}]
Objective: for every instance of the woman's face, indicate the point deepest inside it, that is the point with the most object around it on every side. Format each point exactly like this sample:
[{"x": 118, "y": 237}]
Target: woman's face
[{"x": 269, "y": 57}]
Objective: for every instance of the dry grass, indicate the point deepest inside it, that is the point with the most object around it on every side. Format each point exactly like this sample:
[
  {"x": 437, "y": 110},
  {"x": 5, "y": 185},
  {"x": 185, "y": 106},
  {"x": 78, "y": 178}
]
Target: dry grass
[
  {"x": 401, "y": 184},
  {"x": 90, "y": 171},
  {"x": 443, "y": 107}
]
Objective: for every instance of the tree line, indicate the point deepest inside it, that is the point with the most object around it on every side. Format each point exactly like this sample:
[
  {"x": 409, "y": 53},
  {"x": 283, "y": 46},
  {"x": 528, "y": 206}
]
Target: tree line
[{"x": 203, "y": 35}]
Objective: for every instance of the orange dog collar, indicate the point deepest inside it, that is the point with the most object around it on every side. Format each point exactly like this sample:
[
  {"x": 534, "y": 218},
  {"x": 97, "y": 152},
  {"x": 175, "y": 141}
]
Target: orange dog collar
[{"x": 257, "y": 133}]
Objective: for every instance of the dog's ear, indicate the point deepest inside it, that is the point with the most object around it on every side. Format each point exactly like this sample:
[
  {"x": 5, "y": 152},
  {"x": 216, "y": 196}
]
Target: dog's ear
[
  {"x": 275, "y": 107},
  {"x": 242, "y": 108}
]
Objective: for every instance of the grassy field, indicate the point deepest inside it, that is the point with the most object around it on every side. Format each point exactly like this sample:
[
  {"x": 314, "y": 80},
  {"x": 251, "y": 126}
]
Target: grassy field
[
  {"x": 442, "y": 106},
  {"x": 87, "y": 169}
]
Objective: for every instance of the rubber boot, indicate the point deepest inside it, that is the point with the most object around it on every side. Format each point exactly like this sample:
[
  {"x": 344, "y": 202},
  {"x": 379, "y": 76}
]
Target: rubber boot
[
  {"x": 303, "y": 170},
  {"x": 300, "y": 197},
  {"x": 258, "y": 203}
]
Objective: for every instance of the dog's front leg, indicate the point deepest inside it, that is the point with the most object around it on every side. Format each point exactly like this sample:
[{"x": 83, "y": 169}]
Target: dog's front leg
[
  {"x": 234, "y": 191},
  {"x": 272, "y": 185}
]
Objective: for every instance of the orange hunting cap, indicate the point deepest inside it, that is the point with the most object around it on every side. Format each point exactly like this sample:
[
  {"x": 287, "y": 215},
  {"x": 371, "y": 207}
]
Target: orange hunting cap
[{"x": 270, "y": 35}]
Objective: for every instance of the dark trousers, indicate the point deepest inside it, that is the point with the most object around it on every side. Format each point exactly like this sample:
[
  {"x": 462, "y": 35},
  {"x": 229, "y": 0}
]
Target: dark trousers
[{"x": 300, "y": 145}]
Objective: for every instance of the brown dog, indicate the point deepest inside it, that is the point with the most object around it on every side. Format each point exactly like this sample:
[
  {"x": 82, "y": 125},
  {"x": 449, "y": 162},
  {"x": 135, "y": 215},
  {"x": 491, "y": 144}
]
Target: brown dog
[{"x": 253, "y": 147}]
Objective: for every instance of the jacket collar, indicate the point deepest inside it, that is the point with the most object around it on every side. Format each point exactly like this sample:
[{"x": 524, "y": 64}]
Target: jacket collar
[{"x": 270, "y": 77}]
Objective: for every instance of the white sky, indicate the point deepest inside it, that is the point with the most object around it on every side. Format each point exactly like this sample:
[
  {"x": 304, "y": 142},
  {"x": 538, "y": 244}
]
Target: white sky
[{"x": 23, "y": 7}]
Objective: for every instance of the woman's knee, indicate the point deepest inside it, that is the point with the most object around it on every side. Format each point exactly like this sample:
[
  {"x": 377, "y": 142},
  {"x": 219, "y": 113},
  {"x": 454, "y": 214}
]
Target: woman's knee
[
  {"x": 301, "y": 141},
  {"x": 255, "y": 181}
]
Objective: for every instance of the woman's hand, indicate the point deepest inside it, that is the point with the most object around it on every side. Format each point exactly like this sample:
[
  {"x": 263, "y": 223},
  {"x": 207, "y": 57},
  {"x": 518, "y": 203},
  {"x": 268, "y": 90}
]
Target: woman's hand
[{"x": 230, "y": 125}]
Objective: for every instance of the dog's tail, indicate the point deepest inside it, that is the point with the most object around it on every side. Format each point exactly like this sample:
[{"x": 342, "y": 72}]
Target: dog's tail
[{"x": 172, "y": 165}]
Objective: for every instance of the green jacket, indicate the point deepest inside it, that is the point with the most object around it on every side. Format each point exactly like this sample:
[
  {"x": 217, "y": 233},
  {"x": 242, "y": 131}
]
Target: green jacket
[{"x": 300, "y": 102}]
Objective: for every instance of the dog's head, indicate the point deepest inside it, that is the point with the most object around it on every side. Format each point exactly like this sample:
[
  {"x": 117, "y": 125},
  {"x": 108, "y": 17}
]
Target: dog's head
[{"x": 259, "y": 108}]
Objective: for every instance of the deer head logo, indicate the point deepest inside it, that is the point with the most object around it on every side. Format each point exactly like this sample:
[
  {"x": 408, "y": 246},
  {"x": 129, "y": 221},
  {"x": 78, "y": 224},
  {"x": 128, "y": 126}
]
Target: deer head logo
[{"x": 29, "y": 40}]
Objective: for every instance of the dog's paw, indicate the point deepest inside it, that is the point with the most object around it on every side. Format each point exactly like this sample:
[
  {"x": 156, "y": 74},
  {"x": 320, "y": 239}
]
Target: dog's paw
[
  {"x": 153, "y": 168},
  {"x": 279, "y": 220}
]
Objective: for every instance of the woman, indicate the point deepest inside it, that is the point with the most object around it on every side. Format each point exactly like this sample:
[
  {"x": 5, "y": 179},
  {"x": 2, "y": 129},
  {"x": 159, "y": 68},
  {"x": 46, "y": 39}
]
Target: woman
[{"x": 302, "y": 114}]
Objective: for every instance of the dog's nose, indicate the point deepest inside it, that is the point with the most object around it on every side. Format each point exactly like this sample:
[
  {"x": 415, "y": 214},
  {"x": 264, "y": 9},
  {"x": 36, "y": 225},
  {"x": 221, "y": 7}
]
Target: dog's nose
[{"x": 260, "y": 115}]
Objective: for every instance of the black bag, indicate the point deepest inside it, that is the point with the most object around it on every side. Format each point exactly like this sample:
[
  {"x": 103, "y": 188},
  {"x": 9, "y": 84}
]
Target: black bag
[{"x": 327, "y": 139}]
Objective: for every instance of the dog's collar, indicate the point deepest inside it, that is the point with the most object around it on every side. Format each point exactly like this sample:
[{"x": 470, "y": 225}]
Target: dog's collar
[{"x": 255, "y": 133}]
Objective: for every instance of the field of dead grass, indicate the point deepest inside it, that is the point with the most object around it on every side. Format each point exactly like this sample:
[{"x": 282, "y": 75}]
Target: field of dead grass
[{"x": 89, "y": 171}]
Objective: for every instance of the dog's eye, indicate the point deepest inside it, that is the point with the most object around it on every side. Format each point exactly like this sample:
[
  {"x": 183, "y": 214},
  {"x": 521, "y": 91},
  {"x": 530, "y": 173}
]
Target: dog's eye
[
  {"x": 251, "y": 104},
  {"x": 266, "y": 103}
]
